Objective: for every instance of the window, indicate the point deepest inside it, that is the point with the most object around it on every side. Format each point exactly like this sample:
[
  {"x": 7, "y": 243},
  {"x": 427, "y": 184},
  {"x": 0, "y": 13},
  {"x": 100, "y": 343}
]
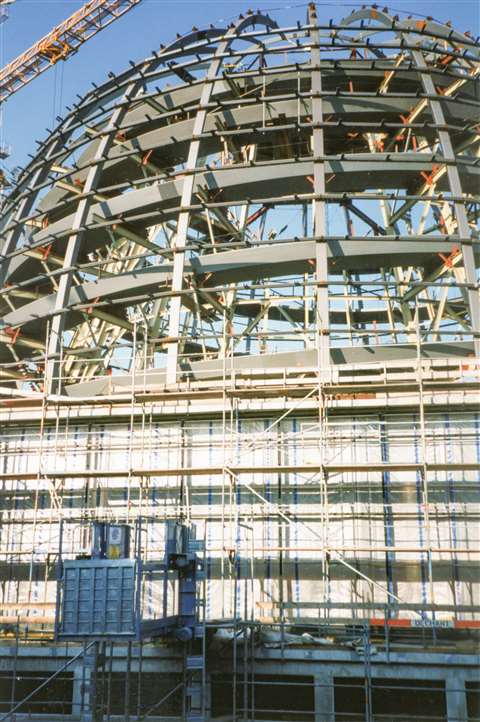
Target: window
[
  {"x": 473, "y": 701},
  {"x": 271, "y": 697},
  {"x": 144, "y": 692},
  {"x": 393, "y": 700},
  {"x": 54, "y": 698}
]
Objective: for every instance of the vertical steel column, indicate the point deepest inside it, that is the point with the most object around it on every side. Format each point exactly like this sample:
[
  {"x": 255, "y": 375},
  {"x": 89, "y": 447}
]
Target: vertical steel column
[
  {"x": 400, "y": 29},
  {"x": 180, "y": 240},
  {"x": 78, "y": 229},
  {"x": 463, "y": 229},
  {"x": 57, "y": 142},
  {"x": 319, "y": 226}
]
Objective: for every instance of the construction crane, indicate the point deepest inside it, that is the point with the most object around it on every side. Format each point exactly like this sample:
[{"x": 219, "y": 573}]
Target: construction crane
[
  {"x": 61, "y": 42},
  {"x": 4, "y": 150}
]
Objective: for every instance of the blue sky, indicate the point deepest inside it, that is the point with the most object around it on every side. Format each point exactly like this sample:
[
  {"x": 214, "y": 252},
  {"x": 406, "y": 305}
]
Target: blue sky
[{"x": 27, "y": 114}]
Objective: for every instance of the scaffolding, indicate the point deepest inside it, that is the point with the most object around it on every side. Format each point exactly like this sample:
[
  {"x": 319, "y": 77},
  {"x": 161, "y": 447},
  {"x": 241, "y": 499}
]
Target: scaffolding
[{"x": 276, "y": 494}]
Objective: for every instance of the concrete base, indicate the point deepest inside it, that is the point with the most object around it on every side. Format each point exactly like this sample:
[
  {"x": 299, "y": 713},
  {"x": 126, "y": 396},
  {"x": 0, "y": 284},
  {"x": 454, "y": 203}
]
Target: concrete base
[{"x": 322, "y": 665}]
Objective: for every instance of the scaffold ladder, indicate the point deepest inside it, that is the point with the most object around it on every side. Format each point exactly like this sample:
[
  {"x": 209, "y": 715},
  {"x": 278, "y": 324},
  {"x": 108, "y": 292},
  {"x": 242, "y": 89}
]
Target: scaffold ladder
[{"x": 194, "y": 662}]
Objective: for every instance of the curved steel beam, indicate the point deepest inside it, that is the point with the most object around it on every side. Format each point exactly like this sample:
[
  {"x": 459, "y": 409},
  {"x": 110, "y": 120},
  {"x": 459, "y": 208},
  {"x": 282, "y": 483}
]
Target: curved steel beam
[
  {"x": 246, "y": 264},
  {"x": 189, "y": 182},
  {"x": 210, "y": 370}
]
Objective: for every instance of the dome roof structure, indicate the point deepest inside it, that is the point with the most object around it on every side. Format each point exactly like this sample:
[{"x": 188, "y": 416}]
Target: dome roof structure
[{"x": 252, "y": 197}]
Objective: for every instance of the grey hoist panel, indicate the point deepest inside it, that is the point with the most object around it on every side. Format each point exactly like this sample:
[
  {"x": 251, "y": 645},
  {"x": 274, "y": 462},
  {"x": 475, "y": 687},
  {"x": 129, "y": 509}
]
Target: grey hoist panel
[{"x": 98, "y": 598}]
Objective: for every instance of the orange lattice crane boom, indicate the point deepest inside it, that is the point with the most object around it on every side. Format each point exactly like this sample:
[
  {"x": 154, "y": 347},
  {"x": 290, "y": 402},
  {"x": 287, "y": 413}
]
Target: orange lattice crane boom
[{"x": 61, "y": 42}]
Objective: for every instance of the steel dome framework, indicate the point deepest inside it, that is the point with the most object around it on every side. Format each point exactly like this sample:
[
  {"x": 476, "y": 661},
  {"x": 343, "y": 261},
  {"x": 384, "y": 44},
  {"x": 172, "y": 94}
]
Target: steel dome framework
[{"x": 252, "y": 190}]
